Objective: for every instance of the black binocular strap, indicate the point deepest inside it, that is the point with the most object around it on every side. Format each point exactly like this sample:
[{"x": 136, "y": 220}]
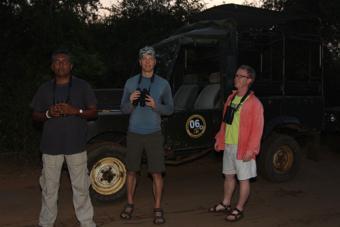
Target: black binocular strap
[
  {"x": 140, "y": 80},
  {"x": 242, "y": 100}
]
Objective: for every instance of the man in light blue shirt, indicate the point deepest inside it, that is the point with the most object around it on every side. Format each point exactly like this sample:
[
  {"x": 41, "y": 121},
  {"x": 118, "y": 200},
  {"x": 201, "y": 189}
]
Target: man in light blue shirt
[{"x": 146, "y": 97}]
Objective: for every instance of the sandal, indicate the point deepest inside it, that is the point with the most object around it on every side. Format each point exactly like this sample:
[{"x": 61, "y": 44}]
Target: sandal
[
  {"x": 234, "y": 215},
  {"x": 225, "y": 208},
  {"x": 127, "y": 211},
  {"x": 159, "y": 216}
]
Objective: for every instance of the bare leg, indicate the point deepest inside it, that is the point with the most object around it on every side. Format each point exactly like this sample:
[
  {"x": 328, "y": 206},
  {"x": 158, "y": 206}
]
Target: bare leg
[
  {"x": 157, "y": 188},
  {"x": 131, "y": 186},
  {"x": 229, "y": 188},
  {"x": 236, "y": 214},
  {"x": 244, "y": 194},
  {"x": 157, "y": 192}
]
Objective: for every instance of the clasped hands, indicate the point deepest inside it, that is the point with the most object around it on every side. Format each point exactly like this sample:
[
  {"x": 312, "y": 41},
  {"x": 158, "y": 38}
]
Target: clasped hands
[{"x": 62, "y": 109}]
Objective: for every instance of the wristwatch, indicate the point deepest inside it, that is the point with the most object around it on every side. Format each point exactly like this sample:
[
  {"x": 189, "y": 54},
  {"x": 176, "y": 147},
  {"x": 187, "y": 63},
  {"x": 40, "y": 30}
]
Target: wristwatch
[
  {"x": 81, "y": 111},
  {"x": 48, "y": 116}
]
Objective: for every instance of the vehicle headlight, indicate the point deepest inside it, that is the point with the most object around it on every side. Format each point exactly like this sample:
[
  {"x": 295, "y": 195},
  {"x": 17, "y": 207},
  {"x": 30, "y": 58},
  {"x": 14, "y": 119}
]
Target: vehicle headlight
[{"x": 332, "y": 117}]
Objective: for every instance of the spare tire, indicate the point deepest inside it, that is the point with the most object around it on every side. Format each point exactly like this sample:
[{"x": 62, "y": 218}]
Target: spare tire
[{"x": 106, "y": 164}]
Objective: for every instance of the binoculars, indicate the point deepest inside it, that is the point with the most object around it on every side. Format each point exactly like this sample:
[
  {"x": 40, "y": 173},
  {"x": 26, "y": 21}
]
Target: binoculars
[
  {"x": 141, "y": 99},
  {"x": 229, "y": 115}
]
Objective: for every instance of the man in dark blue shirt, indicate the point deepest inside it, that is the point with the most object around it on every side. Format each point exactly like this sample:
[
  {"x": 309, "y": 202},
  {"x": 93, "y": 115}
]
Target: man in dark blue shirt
[
  {"x": 146, "y": 97},
  {"x": 64, "y": 104}
]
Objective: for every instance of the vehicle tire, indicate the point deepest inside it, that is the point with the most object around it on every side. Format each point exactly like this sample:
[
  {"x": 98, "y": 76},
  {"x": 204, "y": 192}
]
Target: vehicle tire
[
  {"x": 106, "y": 164},
  {"x": 280, "y": 158}
]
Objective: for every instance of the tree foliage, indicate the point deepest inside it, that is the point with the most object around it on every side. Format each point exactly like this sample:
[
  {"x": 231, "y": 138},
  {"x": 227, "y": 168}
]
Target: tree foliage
[
  {"x": 327, "y": 11},
  {"x": 104, "y": 50},
  {"x": 30, "y": 31},
  {"x": 136, "y": 23}
]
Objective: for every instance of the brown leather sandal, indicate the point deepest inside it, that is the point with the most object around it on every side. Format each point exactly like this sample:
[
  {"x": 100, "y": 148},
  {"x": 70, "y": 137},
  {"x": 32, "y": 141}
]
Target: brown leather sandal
[
  {"x": 234, "y": 215},
  {"x": 159, "y": 216},
  {"x": 225, "y": 208},
  {"x": 127, "y": 212}
]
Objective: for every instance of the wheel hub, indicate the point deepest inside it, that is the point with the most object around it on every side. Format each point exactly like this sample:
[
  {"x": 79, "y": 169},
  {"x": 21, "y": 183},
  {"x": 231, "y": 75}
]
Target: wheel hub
[
  {"x": 108, "y": 175},
  {"x": 283, "y": 159}
]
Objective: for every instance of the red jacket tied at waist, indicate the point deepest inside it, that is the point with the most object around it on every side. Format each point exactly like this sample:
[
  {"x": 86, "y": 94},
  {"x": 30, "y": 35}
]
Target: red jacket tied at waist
[{"x": 250, "y": 128}]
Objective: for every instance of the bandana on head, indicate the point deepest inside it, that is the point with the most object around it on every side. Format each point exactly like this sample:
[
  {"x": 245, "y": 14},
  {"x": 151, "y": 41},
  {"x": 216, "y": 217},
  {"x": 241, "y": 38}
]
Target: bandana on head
[{"x": 147, "y": 50}]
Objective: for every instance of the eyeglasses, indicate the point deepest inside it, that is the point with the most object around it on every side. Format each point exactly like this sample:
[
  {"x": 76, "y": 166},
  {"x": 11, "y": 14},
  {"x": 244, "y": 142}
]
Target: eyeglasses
[{"x": 241, "y": 76}]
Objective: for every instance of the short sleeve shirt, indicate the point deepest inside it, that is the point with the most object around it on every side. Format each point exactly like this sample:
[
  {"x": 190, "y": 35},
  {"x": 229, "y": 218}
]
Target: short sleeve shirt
[
  {"x": 64, "y": 135},
  {"x": 232, "y": 131}
]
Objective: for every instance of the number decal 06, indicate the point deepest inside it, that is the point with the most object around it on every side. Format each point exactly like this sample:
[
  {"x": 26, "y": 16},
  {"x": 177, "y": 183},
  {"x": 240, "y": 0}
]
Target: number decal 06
[{"x": 195, "y": 126}]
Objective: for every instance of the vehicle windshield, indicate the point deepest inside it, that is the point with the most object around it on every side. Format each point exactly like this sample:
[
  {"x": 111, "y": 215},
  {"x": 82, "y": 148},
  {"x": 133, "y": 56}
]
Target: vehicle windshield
[{"x": 166, "y": 57}]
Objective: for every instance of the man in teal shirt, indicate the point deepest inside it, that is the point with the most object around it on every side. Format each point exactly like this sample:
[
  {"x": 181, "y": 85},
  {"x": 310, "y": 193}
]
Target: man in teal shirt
[{"x": 146, "y": 97}]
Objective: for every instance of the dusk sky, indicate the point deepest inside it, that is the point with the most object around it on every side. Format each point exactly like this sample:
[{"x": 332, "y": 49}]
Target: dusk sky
[{"x": 209, "y": 3}]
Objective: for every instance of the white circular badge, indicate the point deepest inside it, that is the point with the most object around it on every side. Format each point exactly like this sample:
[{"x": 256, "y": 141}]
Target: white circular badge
[{"x": 195, "y": 126}]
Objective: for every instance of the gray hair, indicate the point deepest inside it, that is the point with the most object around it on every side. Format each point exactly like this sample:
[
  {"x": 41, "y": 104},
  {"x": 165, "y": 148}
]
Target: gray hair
[{"x": 250, "y": 70}]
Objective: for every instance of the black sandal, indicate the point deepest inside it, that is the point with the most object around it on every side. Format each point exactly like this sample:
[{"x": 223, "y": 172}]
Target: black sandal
[
  {"x": 127, "y": 212},
  {"x": 236, "y": 215},
  {"x": 159, "y": 216},
  {"x": 225, "y": 208}
]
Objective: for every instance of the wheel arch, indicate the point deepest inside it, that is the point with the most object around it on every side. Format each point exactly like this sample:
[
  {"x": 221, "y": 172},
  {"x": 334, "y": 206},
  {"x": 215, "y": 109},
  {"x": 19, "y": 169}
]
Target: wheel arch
[
  {"x": 114, "y": 137},
  {"x": 284, "y": 125}
]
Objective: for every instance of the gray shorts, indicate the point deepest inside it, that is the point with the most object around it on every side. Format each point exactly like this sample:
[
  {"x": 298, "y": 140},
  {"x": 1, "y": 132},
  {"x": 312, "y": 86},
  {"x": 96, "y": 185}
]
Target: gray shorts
[
  {"x": 231, "y": 166},
  {"x": 152, "y": 144}
]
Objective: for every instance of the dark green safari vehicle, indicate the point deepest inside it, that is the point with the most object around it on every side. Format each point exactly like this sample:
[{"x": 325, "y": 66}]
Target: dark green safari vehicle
[{"x": 199, "y": 61}]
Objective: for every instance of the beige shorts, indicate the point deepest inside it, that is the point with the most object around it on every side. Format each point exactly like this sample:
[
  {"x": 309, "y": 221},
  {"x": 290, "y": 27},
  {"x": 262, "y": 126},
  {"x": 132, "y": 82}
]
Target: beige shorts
[{"x": 232, "y": 166}]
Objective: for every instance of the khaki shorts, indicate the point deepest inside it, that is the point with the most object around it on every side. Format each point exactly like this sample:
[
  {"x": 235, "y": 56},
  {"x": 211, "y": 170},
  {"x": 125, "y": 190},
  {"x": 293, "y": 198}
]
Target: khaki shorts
[
  {"x": 232, "y": 166},
  {"x": 152, "y": 144}
]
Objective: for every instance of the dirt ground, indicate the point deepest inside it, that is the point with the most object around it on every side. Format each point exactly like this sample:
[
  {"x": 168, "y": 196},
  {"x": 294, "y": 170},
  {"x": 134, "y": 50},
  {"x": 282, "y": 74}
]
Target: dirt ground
[{"x": 311, "y": 199}]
